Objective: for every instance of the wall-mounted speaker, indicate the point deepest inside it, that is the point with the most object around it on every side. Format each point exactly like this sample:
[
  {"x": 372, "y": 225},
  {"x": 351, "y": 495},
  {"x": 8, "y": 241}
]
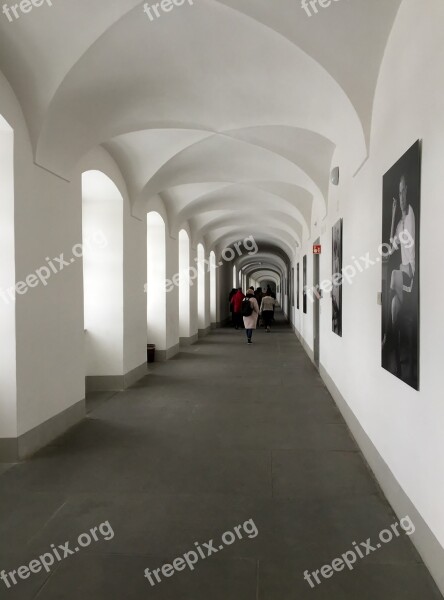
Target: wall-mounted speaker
[{"x": 334, "y": 176}]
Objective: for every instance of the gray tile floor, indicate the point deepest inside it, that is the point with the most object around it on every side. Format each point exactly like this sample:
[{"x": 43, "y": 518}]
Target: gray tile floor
[{"x": 221, "y": 434}]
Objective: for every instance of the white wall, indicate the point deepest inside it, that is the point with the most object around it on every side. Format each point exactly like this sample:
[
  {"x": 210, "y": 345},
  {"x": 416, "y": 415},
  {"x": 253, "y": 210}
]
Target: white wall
[
  {"x": 8, "y": 384},
  {"x": 304, "y": 321},
  {"x": 202, "y": 287},
  {"x": 406, "y": 426},
  {"x": 156, "y": 277},
  {"x": 134, "y": 296},
  {"x": 184, "y": 287},
  {"x": 194, "y": 293},
  {"x": 213, "y": 288},
  {"x": 48, "y": 319},
  {"x": 225, "y": 283},
  {"x": 172, "y": 297},
  {"x": 50, "y": 338}
]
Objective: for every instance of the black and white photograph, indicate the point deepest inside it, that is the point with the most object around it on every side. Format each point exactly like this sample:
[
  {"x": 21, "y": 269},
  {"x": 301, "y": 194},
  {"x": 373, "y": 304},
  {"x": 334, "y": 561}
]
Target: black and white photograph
[
  {"x": 336, "y": 293},
  {"x": 400, "y": 267},
  {"x": 297, "y": 285}
]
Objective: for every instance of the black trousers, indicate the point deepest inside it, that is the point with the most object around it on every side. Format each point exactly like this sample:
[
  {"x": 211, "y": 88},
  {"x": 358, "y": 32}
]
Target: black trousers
[
  {"x": 238, "y": 319},
  {"x": 267, "y": 316}
]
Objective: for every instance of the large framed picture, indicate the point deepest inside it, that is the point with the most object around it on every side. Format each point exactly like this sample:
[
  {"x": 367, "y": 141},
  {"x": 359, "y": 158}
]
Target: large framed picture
[
  {"x": 336, "y": 293},
  {"x": 304, "y": 284},
  {"x": 400, "y": 267},
  {"x": 297, "y": 286}
]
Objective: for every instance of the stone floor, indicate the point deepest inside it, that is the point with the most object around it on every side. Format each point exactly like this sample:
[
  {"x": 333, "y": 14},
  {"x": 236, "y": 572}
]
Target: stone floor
[{"x": 223, "y": 433}]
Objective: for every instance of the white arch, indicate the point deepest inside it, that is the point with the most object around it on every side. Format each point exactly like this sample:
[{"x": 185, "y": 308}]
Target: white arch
[
  {"x": 104, "y": 119},
  {"x": 230, "y": 198},
  {"x": 102, "y": 208},
  {"x": 226, "y": 236}
]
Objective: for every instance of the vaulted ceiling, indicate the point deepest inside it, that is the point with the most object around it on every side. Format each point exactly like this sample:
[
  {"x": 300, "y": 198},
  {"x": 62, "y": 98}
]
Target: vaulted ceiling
[{"x": 229, "y": 110}]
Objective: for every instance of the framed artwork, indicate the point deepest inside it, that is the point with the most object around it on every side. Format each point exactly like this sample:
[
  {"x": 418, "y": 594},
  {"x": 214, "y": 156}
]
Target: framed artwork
[
  {"x": 336, "y": 293},
  {"x": 401, "y": 205},
  {"x": 297, "y": 285}
]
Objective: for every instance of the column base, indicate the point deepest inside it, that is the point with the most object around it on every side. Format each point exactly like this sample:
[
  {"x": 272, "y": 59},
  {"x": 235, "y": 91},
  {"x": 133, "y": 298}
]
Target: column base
[
  {"x": 15, "y": 449},
  {"x": 115, "y": 383}
]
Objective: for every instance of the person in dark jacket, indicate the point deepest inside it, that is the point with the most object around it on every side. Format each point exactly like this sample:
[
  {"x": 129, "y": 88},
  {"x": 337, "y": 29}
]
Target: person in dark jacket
[
  {"x": 236, "y": 302},
  {"x": 230, "y": 297},
  {"x": 258, "y": 295}
]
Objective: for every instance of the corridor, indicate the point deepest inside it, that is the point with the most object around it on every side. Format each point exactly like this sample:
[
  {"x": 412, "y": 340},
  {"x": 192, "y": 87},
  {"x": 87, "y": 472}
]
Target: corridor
[{"x": 222, "y": 434}]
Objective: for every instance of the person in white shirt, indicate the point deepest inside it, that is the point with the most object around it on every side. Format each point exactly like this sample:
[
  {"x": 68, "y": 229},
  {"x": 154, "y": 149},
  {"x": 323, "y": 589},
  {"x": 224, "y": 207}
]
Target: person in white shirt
[{"x": 267, "y": 310}]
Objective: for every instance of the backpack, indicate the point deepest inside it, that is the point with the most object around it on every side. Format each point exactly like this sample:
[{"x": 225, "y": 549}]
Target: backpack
[{"x": 247, "y": 309}]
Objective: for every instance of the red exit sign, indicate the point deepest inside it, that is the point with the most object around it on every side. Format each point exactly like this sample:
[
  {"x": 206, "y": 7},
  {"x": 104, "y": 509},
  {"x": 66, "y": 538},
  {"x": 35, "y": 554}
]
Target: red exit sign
[{"x": 317, "y": 249}]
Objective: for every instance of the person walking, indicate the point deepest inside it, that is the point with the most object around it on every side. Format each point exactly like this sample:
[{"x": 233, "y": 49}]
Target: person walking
[
  {"x": 236, "y": 303},
  {"x": 258, "y": 295},
  {"x": 230, "y": 298},
  {"x": 250, "y": 312},
  {"x": 273, "y": 295},
  {"x": 267, "y": 310}
]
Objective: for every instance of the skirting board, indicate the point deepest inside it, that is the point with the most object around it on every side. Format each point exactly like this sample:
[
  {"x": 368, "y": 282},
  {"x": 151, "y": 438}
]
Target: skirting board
[
  {"x": 222, "y": 323},
  {"x": 429, "y": 548},
  {"x": 204, "y": 332},
  {"x": 164, "y": 355},
  {"x": 172, "y": 351},
  {"x": 306, "y": 347},
  {"x": 188, "y": 341},
  {"x": 135, "y": 375},
  {"x": 115, "y": 383},
  {"x": 15, "y": 449}
]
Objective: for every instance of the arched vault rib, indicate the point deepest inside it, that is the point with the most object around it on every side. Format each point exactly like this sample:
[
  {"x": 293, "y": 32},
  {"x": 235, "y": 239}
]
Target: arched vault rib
[
  {"x": 263, "y": 272},
  {"x": 234, "y": 198},
  {"x": 308, "y": 150},
  {"x": 264, "y": 261},
  {"x": 267, "y": 251},
  {"x": 362, "y": 26},
  {"x": 261, "y": 262},
  {"x": 267, "y": 219},
  {"x": 141, "y": 155},
  {"x": 93, "y": 105},
  {"x": 271, "y": 236},
  {"x": 28, "y": 60},
  {"x": 224, "y": 159},
  {"x": 270, "y": 274}
]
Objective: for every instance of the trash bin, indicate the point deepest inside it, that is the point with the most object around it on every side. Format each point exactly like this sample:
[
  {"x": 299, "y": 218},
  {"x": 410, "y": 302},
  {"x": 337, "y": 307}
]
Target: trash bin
[{"x": 150, "y": 352}]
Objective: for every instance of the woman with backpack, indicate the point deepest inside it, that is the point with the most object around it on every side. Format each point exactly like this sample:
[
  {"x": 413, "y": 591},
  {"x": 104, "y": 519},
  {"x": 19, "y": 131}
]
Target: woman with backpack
[{"x": 250, "y": 313}]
